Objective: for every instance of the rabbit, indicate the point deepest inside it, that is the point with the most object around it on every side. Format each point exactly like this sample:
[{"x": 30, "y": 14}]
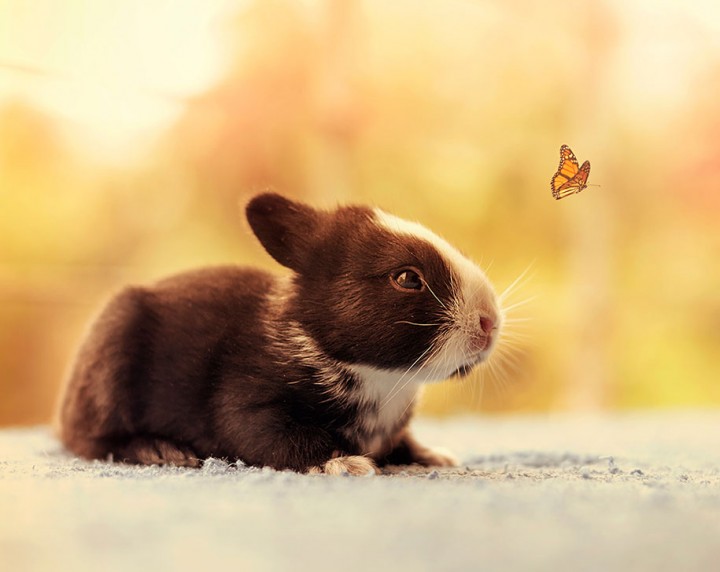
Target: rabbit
[{"x": 315, "y": 371}]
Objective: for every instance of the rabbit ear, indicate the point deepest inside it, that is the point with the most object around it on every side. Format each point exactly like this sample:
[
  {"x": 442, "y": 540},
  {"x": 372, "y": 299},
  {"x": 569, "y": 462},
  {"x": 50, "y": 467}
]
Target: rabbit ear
[{"x": 284, "y": 227}]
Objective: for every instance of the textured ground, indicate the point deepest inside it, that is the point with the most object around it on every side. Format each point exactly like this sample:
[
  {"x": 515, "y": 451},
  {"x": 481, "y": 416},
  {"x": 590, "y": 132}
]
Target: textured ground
[{"x": 628, "y": 492}]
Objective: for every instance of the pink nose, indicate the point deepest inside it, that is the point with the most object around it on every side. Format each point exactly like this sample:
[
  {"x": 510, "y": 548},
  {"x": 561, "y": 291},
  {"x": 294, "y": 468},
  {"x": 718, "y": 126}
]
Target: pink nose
[{"x": 487, "y": 325}]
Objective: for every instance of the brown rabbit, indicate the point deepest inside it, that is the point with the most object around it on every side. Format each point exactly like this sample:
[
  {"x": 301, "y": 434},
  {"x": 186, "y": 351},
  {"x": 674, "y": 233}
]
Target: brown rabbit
[{"x": 316, "y": 372}]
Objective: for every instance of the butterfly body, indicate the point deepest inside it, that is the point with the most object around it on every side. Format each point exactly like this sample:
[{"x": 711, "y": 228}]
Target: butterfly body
[{"x": 571, "y": 177}]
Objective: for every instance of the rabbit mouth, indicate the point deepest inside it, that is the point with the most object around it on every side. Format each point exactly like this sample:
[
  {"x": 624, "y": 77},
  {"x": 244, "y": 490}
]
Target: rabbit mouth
[
  {"x": 463, "y": 370},
  {"x": 473, "y": 361},
  {"x": 467, "y": 367}
]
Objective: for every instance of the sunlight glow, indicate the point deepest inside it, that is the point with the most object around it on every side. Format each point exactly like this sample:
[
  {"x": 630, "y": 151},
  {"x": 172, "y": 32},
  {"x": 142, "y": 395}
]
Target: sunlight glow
[{"x": 116, "y": 73}]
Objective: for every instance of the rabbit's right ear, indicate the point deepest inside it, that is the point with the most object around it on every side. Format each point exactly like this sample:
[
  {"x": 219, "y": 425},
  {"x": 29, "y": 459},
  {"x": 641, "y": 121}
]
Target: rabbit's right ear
[{"x": 285, "y": 228}]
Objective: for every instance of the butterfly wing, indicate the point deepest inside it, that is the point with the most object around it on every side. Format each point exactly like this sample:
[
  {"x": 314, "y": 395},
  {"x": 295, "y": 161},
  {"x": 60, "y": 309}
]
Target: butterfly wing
[
  {"x": 568, "y": 161},
  {"x": 582, "y": 176},
  {"x": 569, "y": 178}
]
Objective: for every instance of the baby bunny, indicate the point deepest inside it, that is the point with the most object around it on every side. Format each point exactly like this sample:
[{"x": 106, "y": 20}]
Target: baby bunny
[{"x": 317, "y": 371}]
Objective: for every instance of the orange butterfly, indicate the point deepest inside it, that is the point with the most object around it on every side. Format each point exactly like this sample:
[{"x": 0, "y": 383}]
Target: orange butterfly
[{"x": 570, "y": 178}]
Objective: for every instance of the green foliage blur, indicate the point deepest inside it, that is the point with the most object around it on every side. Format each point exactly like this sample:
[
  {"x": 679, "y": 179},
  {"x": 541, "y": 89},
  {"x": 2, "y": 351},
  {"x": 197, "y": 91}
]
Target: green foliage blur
[{"x": 448, "y": 113}]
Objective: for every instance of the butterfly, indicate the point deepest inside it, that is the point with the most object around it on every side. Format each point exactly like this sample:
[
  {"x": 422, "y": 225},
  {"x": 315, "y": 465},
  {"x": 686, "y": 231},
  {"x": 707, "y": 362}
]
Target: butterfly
[{"x": 570, "y": 178}]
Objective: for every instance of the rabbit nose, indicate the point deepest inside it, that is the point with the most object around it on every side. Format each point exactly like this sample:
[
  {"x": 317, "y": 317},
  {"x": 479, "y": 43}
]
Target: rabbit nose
[{"x": 487, "y": 325}]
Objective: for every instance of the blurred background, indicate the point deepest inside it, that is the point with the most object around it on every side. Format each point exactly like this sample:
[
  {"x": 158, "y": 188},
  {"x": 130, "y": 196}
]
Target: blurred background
[{"x": 131, "y": 134}]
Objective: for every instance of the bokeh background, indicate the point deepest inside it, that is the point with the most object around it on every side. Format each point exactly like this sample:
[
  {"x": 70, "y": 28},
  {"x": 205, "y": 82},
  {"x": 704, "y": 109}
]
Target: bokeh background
[{"x": 132, "y": 132}]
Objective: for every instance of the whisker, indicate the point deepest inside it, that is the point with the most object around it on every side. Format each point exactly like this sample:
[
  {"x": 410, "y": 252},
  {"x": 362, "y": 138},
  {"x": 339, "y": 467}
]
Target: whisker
[
  {"x": 505, "y": 360},
  {"x": 387, "y": 400},
  {"x": 514, "y": 335},
  {"x": 470, "y": 379},
  {"x": 518, "y": 304},
  {"x": 499, "y": 378},
  {"x": 415, "y": 323},
  {"x": 515, "y": 282},
  {"x": 489, "y": 367},
  {"x": 434, "y": 296},
  {"x": 432, "y": 372},
  {"x": 511, "y": 330},
  {"x": 395, "y": 389},
  {"x": 506, "y": 367},
  {"x": 390, "y": 394}
]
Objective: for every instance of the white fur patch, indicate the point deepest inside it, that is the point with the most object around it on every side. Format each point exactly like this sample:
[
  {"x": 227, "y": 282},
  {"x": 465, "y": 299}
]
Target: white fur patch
[{"x": 391, "y": 392}]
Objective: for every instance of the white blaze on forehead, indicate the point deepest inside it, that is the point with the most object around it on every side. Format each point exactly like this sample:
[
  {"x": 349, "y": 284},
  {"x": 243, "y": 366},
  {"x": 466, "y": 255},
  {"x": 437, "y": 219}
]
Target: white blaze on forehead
[{"x": 466, "y": 270}]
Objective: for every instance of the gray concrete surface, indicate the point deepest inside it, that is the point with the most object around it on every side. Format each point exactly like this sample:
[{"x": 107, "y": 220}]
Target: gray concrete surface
[{"x": 637, "y": 491}]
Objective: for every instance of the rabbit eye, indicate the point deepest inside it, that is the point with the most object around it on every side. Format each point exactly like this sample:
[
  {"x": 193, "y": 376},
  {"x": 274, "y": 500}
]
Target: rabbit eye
[{"x": 408, "y": 279}]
